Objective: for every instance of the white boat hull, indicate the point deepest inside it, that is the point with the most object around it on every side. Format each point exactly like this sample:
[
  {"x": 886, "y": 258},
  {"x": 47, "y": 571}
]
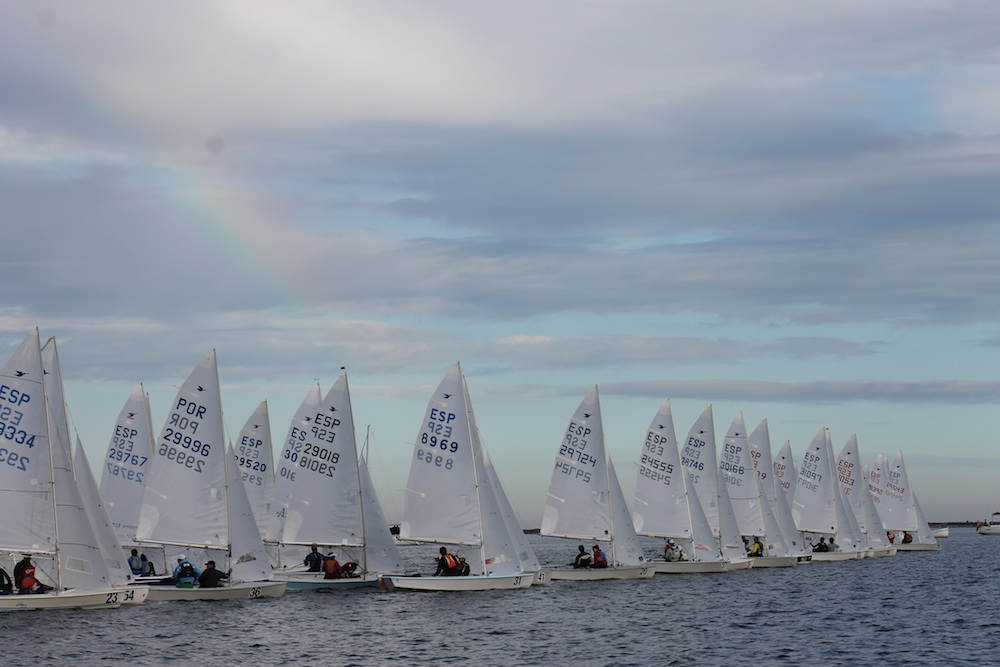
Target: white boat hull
[
  {"x": 741, "y": 564},
  {"x": 490, "y": 582},
  {"x": 989, "y": 529},
  {"x": 940, "y": 533},
  {"x": 308, "y": 581},
  {"x": 602, "y": 573},
  {"x": 243, "y": 591},
  {"x": 882, "y": 553},
  {"x": 834, "y": 556},
  {"x": 773, "y": 561},
  {"x": 70, "y": 599},
  {"x": 690, "y": 566}
]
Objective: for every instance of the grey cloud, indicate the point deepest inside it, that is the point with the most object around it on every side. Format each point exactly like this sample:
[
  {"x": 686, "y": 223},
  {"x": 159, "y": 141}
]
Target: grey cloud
[{"x": 956, "y": 392}]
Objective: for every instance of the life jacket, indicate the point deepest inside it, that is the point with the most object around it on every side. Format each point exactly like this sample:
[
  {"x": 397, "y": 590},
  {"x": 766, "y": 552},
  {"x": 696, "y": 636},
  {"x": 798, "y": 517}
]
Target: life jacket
[
  {"x": 187, "y": 571},
  {"x": 135, "y": 563},
  {"x": 600, "y": 558},
  {"x": 450, "y": 562},
  {"x": 27, "y": 577}
]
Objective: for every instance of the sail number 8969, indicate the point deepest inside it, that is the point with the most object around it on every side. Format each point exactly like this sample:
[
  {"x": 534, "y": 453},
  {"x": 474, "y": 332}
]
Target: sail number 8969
[{"x": 434, "y": 442}]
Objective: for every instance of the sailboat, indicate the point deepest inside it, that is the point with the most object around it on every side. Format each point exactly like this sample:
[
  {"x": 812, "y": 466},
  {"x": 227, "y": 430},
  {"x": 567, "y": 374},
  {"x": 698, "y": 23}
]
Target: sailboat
[
  {"x": 771, "y": 490},
  {"x": 698, "y": 456},
  {"x": 754, "y": 515},
  {"x": 817, "y": 506},
  {"x": 903, "y": 513},
  {"x": 666, "y": 507},
  {"x": 319, "y": 494},
  {"x": 585, "y": 501},
  {"x": 854, "y": 486},
  {"x": 451, "y": 500},
  {"x": 194, "y": 498},
  {"x": 44, "y": 515}
]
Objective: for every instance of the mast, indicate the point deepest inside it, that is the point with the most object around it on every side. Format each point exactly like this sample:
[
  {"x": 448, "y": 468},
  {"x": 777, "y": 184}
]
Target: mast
[{"x": 52, "y": 471}]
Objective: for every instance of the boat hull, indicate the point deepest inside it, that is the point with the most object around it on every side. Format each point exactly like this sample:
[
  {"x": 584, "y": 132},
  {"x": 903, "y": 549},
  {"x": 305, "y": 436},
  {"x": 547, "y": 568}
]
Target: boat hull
[
  {"x": 243, "y": 591},
  {"x": 690, "y": 566},
  {"x": 940, "y": 533},
  {"x": 882, "y": 553},
  {"x": 303, "y": 581},
  {"x": 989, "y": 529},
  {"x": 602, "y": 573},
  {"x": 391, "y": 583},
  {"x": 109, "y": 598},
  {"x": 742, "y": 564},
  {"x": 833, "y": 556}
]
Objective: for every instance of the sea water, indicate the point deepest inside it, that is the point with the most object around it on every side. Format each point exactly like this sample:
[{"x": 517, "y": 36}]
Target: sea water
[{"x": 917, "y": 608}]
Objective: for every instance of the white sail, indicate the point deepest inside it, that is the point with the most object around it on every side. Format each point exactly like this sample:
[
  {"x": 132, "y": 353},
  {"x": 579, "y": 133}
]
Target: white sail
[
  {"x": 876, "y": 485},
  {"x": 323, "y": 503},
  {"x": 698, "y": 456},
  {"x": 126, "y": 464},
  {"x": 577, "y": 503},
  {"x": 815, "y": 503},
  {"x": 730, "y": 540},
  {"x": 184, "y": 502},
  {"x": 785, "y": 472},
  {"x": 924, "y": 533},
  {"x": 256, "y": 461},
  {"x": 661, "y": 507},
  {"x": 248, "y": 559},
  {"x": 442, "y": 500},
  {"x": 81, "y": 563},
  {"x": 525, "y": 554},
  {"x": 381, "y": 552},
  {"x": 29, "y": 522},
  {"x": 739, "y": 475},
  {"x": 897, "y": 503},
  {"x": 285, "y": 484},
  {"x": 522, "y": 556},
  {"x": 625, "y": 546},
  {"x": 104, "y": 529}
]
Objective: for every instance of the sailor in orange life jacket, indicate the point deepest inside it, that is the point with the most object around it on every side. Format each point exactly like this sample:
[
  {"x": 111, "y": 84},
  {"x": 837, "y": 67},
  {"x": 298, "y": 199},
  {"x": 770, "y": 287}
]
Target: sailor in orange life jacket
[
  {"x": 447, "y": 565},
  {"x": 24, "y": 578}
]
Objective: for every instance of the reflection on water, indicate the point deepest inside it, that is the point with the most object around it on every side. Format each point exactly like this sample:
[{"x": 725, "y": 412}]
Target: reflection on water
[{"x": 916, "y": 608}]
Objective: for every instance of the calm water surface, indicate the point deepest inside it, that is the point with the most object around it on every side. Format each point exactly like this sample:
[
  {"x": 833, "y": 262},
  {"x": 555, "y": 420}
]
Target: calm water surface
[{"x": 916, "y": 608}]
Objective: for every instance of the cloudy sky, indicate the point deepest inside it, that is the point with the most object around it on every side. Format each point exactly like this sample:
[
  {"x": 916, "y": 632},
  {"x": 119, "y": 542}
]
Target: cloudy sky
[{"x": 781, "y": 207}]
